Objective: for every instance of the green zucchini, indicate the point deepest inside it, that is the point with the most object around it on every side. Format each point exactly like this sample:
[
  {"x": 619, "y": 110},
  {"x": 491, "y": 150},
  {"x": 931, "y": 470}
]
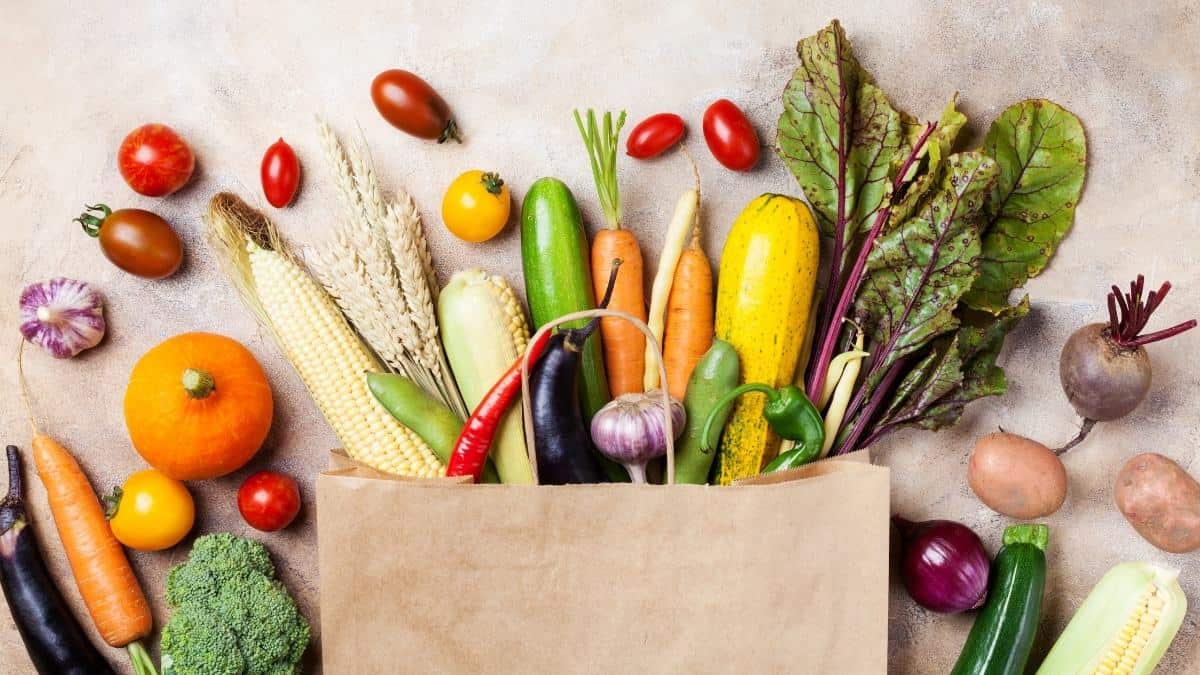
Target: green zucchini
[
  {"x": 715, "y": 374},
  {"x": 558, "y": 280},
  {"x": 1003, "y": 633}
]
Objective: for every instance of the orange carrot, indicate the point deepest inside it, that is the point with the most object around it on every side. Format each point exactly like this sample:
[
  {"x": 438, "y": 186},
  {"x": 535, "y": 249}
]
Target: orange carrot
[
  {"x": 624, "y": 345},
  {"x": 105, "y": 579},
  {"x": 689, "y": 329},
  {"x": 102, "y": 572}
]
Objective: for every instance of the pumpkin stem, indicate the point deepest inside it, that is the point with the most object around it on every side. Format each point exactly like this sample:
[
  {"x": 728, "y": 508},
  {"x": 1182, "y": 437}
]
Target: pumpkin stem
[{"x": 197, "y": 383}]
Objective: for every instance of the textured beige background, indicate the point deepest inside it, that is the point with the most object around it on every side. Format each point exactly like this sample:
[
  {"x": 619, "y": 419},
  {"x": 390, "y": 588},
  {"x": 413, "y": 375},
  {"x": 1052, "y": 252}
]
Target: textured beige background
[{"x": 232, "y": 78}]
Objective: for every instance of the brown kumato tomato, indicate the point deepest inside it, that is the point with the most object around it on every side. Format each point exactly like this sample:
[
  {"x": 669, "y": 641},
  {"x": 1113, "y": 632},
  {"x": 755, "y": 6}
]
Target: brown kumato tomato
[
  {"x": 408, "y": 103},
  {"x": 137, "y": 241}
]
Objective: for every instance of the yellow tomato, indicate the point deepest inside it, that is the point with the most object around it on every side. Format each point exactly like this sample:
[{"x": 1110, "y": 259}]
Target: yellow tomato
[
  {"x": 152, "y": 511},
  {"x": 476, "y": 206}
]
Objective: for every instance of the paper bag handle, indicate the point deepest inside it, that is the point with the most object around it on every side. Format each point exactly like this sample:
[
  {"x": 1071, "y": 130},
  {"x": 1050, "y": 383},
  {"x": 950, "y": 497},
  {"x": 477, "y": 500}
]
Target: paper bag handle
[{"x": 527, "y": 411}]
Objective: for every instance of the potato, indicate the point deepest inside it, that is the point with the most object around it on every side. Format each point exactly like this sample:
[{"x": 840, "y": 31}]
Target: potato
[
  {"x": 1017, "y": 477},
  {"x": 1161, "y": 501}
]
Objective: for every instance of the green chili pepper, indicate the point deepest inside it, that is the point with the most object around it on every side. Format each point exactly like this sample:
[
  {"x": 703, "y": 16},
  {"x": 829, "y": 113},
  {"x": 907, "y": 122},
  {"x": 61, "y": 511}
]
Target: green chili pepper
[
  {"x": 797, "y": 456},
  {"x": 791, "y": 416}
]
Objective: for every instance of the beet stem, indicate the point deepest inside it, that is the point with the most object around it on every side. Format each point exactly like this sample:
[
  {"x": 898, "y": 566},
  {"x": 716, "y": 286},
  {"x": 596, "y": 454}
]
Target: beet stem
[
  {"x": 1128, "y": 315},
  {"x": 1084, "y": 430},
  {"x": 1116, "y": 295},
  {"x": 1162, "y": 334}
]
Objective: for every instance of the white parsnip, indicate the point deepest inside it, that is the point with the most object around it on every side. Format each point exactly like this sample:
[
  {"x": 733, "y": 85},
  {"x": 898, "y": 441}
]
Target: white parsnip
[{"x": 680, "y": 228}]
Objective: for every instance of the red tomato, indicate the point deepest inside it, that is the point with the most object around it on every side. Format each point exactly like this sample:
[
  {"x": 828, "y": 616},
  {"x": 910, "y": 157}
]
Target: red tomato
[
  {"x": 280, "y": 174},
  {"x": 655, "y": 135},
  {"x": 408, "y": 103},
  {"x": 730, "y": 136},
  {"x": 269, "y": 501},
  {"x": 155, "y": 161}
]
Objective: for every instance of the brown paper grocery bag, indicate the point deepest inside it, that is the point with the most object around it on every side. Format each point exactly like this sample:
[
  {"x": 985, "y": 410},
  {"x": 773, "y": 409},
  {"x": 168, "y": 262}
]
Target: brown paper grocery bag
[
  {"x": 784, "y": 577},
  {"x": 780, "y": 573}
]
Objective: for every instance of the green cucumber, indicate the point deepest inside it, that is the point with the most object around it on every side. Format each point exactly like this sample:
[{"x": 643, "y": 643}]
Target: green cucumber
[
  {"x": 558, "y": 279},
  {"x": 715, "y": 375},
  {"x": 1003, "y": 633}
]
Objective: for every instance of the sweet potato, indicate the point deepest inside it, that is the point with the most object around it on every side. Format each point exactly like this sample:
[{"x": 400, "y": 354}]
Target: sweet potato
[{"x": 1161, "y": 501}]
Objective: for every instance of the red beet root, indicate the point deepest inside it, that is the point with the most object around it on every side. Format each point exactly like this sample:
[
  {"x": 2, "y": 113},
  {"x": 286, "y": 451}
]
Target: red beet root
[{"x": 1104, "y": 368}]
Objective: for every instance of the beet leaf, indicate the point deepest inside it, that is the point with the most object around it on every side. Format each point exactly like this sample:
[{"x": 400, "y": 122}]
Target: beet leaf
[
  {"x": 1042, "y": 154},
  {"x": 916, "y": 275}
]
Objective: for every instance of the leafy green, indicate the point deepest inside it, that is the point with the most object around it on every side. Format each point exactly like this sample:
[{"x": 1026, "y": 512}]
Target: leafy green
[
  {"x": 1042, "y": 154},
  {"x": 958, "y": 368},
  {"x": 839, "y": 134},
  {"x": 917, "y": 272},
  {"x": 937, "y": 148},
  {"x": 937, "y": 240},
  {"x": 980, "y": 339},
  {"x": 934, "y": 376}
]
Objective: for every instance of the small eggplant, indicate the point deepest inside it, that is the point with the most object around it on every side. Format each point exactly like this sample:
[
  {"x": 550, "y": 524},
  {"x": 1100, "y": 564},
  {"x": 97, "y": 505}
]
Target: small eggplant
[
  {"x": 565, "y": 453},
  {"x": 53, "y": 637}
]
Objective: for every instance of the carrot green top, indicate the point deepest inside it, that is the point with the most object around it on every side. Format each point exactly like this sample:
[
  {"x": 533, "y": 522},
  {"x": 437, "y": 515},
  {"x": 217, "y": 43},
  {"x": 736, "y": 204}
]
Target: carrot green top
[{"x": 601, "y": 145}]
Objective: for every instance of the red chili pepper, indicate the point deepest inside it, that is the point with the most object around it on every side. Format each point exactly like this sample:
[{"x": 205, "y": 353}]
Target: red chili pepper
[{"x": 471, "y": 449}]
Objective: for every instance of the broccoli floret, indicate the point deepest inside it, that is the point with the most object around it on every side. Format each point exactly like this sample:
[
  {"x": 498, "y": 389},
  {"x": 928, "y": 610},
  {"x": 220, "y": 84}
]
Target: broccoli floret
[
  {"x": 198, "y": 642},
  {"x": 223, "y": 552},
  {"x": 231, "y": 615},
  {"x": 270, "y": 628}
]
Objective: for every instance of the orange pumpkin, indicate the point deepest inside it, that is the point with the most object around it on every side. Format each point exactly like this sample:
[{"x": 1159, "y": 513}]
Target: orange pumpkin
[{"x": 198, "y": 406}]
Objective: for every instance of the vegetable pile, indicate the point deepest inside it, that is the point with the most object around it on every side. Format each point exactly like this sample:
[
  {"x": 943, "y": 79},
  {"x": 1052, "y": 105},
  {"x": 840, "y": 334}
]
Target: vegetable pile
[{"x": 880, "y": 301}]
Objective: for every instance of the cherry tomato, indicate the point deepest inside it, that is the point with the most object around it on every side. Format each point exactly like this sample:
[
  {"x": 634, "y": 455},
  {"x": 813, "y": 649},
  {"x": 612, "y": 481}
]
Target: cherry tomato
[
  {"x": 151, "y": 511},
  {"x": 730, "y": 136},
  {"x": 269, "y": 501},
  {"x": 280, "y": 174},
  {"x": 655, "y": 135},
  {"x": 155, "y": 160},
  {"x": 476, "y": 206},
  {"x": 408, "y": 103},
  {"x": 137, "y": 241}
]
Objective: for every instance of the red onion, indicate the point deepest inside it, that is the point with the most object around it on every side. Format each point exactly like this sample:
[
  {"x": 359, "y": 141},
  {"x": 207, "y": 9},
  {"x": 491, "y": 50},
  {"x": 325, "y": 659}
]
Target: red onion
[{"x": 943, "y": 564}]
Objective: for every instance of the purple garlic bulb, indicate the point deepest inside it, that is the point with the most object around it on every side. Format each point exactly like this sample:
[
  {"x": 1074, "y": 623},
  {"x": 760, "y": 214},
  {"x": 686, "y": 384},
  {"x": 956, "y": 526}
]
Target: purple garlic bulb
[
  {"x": 63, "y": 316},
  {"x": 631, "y": 430}
]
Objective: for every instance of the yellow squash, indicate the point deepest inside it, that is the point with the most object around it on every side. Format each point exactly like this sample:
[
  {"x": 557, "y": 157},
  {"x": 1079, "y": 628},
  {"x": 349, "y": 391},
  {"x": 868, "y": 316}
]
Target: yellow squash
[{"x": 764, "y": 297}]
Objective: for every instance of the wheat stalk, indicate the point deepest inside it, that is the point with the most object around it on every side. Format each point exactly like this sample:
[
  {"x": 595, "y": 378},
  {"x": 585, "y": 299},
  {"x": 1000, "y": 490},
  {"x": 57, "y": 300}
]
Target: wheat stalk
[
  {"x": 357, "y": 266},
  {"x": 379, "y": 270}
]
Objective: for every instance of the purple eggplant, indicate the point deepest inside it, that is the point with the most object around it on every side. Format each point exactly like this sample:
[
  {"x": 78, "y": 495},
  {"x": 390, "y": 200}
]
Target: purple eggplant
[{"x": 53, "y": 637}]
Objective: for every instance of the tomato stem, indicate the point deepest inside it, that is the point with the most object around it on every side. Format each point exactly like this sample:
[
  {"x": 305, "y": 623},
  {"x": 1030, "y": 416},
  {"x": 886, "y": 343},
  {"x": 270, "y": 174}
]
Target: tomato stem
[
  {"x": 492, "y": 182},
  {"x": 92, "y": 223},
  {"x": 450, "y": 132},
  {"x": 112, "y": 502}
]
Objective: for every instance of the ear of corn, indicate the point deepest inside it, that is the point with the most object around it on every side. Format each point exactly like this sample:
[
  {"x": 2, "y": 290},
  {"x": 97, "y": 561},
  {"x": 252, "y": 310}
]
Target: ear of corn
[
  {"x": 1124, "y": 626},
  {"x": 484, "y": 332},
  {"x": 764, "y": 293},
  {"x": 330, "y": 358}
]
